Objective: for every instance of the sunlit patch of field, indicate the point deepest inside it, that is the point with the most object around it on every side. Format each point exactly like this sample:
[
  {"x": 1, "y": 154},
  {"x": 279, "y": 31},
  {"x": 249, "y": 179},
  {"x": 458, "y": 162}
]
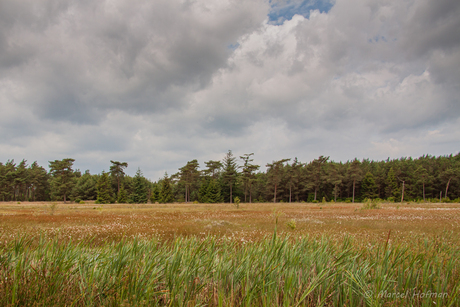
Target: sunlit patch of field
[{"x": 250, "y": 222}]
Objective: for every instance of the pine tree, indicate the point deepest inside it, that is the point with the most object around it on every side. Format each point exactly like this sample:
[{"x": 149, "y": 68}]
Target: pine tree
[
  {"x": 368, "y": 186},
  {"x": 275, "y": 173},
  {"x": 104, "y": 189},
  {"x": 335, "y": 178},
  {"x": 86, "y": 187},
  {"x": 139, "y": 194},
  {"x": 203, "y": 191},
  {"x": 63, "y": 176},
  {"x": 122, "y": 195},
  {"x": 230, "y": 173},
  {"x": 166, "y": 195},
  {"x": 447, "y": 176},
  {"x": 355, "y": 174},
  {"x": 39, "y": 182},
  {"x": 189, "y": 176},
  {"x": 422, "y": 177},
  {"x": 248, "y": 174},
  {"x": 316, "y": 173},
  {"x": 117, "y": 172},
  {"x": 213, "y": 194},
  {"x": 155, "y": 194},
  {"x": 392, "y": 189}
]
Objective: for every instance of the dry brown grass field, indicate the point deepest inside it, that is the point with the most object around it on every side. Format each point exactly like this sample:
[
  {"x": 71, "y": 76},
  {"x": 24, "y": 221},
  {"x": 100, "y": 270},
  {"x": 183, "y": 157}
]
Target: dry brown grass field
[{"x": 402, "y": 222}]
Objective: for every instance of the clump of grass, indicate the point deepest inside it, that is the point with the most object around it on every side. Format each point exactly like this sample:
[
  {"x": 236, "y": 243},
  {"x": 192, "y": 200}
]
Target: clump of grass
[
  {"x": 236, "y": 202},
  {"x": 291, "y": 224},
  {"x": 192, "y": 271},
  {"x": 53, "y": 207},
  {"x": 371, "y": 204}
]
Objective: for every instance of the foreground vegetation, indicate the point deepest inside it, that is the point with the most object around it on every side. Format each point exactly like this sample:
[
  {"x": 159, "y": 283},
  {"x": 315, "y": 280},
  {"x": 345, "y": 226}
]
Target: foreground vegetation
[
  {"x": 192, "y": 272},
  {"x": 216, "y": 255}
]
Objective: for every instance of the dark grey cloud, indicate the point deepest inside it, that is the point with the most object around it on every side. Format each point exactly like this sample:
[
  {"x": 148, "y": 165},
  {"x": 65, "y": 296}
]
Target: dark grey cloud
[
  {"x": 432, "y": 25},
  {"x": 82, "y": 58}
]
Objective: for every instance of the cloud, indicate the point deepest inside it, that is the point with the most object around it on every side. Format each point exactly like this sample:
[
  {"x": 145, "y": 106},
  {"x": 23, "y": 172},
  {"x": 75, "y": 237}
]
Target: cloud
[
  {"x": 159, "y": 84},
  {"x": 82, "y": 59}
]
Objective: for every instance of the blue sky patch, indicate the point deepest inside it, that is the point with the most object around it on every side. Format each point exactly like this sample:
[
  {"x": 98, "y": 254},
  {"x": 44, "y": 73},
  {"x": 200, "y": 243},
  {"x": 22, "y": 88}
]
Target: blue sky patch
[{"x": 282, "y": 10}]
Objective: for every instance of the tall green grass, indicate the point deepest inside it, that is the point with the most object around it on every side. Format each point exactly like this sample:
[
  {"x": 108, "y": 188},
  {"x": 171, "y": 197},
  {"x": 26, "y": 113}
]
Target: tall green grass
[{"x": 214, "y": 272}]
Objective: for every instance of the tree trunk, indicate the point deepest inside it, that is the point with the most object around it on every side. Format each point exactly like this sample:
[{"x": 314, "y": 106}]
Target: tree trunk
[
  {"x": 424, "y": 191},
  {"x": 335, "y": 194},
  {"x": 231, "y": 194},
  {"x": 315, "y": 193},
  {"x": 64, "y": 198},
  {"x": 447, "y": 186},
  {"x": 354, "y": 191},
  {"x": 402, "y": 194},
  {"x": 290, "y": 193},
  {"x": 274, "y": 197}
]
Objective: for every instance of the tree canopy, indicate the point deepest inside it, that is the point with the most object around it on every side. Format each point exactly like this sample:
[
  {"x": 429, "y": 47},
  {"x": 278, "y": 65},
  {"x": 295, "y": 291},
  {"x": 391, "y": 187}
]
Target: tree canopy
[{"x": 427, "y": 178}]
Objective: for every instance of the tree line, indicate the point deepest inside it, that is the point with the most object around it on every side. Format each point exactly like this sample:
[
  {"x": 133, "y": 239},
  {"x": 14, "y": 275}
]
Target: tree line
[{"x": 427, "y": 178}]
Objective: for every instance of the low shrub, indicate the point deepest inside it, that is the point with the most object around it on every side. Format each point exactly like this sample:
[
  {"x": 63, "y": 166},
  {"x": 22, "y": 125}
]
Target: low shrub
[
  {"x": 371, "y": 204},
  {"x": 236, "y": 202},
  {"x": 291, "y": 224}
]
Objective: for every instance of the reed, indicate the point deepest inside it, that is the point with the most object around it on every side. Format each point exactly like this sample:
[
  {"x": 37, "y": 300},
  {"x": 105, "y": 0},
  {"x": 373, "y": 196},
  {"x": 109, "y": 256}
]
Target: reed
[{"x": 211, "y": 271}]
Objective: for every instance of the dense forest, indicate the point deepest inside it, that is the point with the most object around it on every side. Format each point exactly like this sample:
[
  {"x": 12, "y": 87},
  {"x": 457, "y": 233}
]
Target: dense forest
[{"x": 426, "y": 178}]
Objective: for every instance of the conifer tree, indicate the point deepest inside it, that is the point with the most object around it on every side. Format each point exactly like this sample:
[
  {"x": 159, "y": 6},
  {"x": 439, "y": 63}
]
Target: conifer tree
[
  {"x": 230, "y": 173},
  {"x": 117, "y": 172},
  {"x": 213, "y": 194},
  {"x": 166, "y": 195},
  {"x": 316, "y": 173},
  {"x": 213, "y": 168},
  {"x": 122, "y": 195},
  {"x": 63, "y": 176},
  {"x": 203, "y": 191},
  {"x": 139, "y": 194},
  {"x": 275, "y": 173},
  {"x": 7, "y": 173},
  {"x": 248, "y": 175},
  {"x": 85, "y": 187},
  {"x": 335, "y": 178},
  {"x": 155, "y": 196},
  {"x": 368, "y": 186},
  {"x": 38, "y": 181},
  {"x": 392, "y": 189},
  {"x": 104, "y": 189},
  {"x": 422, "y": 177},
  {"x": 355, "y": 174},
  {"x": 447, "y": 176},
  {"x": 189, "y": 176}
]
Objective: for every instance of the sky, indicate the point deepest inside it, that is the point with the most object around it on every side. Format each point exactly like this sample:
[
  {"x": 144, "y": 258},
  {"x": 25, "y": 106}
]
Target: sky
[{"x": 159, "y": 83}]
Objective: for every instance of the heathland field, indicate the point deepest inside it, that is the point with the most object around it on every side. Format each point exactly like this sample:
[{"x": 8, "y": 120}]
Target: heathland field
[{"x": 326, "y": 254}]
